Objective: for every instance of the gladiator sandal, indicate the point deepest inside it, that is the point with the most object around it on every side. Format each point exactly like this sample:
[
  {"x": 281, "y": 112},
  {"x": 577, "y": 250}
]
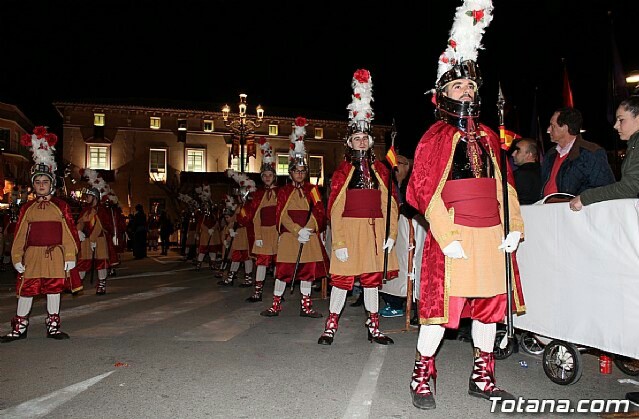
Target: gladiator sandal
[
  {"x": 101, "y": 289},
  {"x": 306, "y": 309},
  {"x": 53, "y": 327},
  {"x": 257, "y": 293},
  {"x": 19, "y": 325},
  {"x": 484, "y": 373},
  {"x": 420, "y": 391},
  {"x": 374, "y": 335},
  {"x": 275, "y": 309},
  {"x": 329, "y": 330},
  {"x": 230, "y": 279},
  {"x": 248, "y": 281}
]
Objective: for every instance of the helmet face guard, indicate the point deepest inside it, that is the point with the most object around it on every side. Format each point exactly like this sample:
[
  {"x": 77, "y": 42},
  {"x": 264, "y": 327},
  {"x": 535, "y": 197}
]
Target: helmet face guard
[{"x": 464, "y": 114}]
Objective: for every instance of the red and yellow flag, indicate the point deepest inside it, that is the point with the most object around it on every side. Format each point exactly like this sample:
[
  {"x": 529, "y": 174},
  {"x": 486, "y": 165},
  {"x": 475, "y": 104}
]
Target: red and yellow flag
[
  {"x": 391, "y": 156},
  {"x": 507, "y": 137},
  {"x": 315, "y": 196}
]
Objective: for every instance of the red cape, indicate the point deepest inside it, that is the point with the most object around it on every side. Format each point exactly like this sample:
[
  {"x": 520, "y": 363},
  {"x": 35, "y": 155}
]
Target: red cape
[
  {"x": 431, "y": 157},
  {"x": 318, "y": 210}
]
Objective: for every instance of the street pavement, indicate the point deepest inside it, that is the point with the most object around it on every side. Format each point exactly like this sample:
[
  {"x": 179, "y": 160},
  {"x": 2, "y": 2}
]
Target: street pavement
[{"x": 167, "y": 342}]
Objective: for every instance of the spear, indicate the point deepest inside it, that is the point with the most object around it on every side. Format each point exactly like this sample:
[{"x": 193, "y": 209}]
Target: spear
[
  {"x": 501, "y": 101},
  {"x": 389, "y": 199}
]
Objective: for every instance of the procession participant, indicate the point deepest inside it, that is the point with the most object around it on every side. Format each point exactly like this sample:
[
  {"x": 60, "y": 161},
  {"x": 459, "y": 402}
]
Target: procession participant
[
  {"x": 457, "y": 184},
  {"x": 358, "y": 211},
  {"x": 95, "y": 232},
  {"x": 207, "y": 231},
  {"x": 235, "y": 234},
  {"x": 45, "y": 244},
  {"x": 300, "y": 219},
  {"x": 153, "y": 227},
  {"x": 262, "y": 212}
]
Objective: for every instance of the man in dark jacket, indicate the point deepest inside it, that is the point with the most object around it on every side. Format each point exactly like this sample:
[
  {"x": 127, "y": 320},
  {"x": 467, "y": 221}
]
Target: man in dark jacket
[
  {"x": 528, "y": 174},
  {"x": 575, "y": 164}
]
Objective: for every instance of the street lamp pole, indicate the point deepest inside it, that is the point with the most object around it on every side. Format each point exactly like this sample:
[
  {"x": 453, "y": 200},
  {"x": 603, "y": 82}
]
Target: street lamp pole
[{"x": 242, "y": 126}]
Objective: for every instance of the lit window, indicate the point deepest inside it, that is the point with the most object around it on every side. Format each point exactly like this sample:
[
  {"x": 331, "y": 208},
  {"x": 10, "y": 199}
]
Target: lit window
[
  {"x": 195, "y": 160},
  {"x": 98, "y": 119},
  {"x": 235, "y": 162},
  {"x": 282, "y": 164},
  {"x": 181, "y": 124},
  {"x": 319, "y": 133},
  {"x": 273, "y": 129},
  {"x": 155, "y": 122},
  {"x": 98, "y": 157},
  {"x": 208, "y": 126},
  {"x": 157, "y": 164},
  {"x": 316, "y": 169}
]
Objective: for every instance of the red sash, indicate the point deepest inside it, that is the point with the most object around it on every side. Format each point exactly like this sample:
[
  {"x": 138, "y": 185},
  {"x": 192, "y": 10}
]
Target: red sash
[
  {"x": 363, "y": 203},
  {"x": 267, "y": 216},
  {"x": 474, "y": 200},
  {"x": 44, "y": 233},
  {"x": 298, "y": 217}
]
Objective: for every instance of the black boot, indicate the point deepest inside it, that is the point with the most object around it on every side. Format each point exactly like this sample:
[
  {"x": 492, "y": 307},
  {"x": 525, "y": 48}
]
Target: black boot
[
  {"x": 484, "y": 372},
  {"x": 19, "y": 326},
  {"x": 257, "y": 293},
  {"x": 230, "y": 279},
  {"x": 374, "y": 335},
  {"x": 360, "y": 300},
  {"x": 53, "y": 328},
  {"x": 329, "y": 329}
]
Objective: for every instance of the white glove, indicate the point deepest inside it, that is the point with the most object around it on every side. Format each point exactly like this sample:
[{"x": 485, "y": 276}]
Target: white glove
[
  {"x": 454, "y": 250},
  {"x": 211, "y": 231},
  {"x": 232, "y": 233},
  {"x": 19, "y": 267},
  {"x": 115, "y": 240},
  {"x": 68, "y": 265},
  {"x": 342, "y": 254},
  {"x": 93, "y": 245},
  {"x": 388, "y": 244},
  {"x": 226, "y": 243},
  {"x": 81, "y": 235},
  {"x": 511, "y": 242},
  {"x": 259, "y": 243},
  {"x": 304, "y": 235}
]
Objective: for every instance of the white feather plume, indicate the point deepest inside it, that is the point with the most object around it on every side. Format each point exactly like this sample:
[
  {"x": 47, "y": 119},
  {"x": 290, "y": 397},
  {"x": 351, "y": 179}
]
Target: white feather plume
[{"x": 471, "y": 20}]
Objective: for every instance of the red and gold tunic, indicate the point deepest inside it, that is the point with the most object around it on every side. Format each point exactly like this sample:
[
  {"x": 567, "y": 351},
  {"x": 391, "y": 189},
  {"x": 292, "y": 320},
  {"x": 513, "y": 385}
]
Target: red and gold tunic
[
  {"x": 45, "y": 238},
  {"x": 96, "y": 224},
  {"x": 291, "y": 216},
  {"x": 358, "y": 223},
  {"x": 263, "y": 216},
  {"x": 209, "y": 242},
  {"x": 482, "y": 274}
]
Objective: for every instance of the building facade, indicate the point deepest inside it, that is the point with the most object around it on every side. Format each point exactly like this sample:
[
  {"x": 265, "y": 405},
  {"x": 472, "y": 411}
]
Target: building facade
[
  {"x": 150, "y": 154},
  {"x": 15, "y": 159}
]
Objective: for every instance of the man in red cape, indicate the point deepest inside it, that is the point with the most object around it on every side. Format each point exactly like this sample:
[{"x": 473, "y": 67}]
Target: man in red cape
[{"x": 457, "y": 184}]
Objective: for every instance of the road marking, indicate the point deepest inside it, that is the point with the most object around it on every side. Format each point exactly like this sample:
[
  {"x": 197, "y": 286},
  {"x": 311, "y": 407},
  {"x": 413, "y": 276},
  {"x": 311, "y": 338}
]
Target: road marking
[
  {"x": 360, "y": 404},
  {"x": 145, "y": 318},
  {"x": 164, "y": 262},
  {"x": 109, "y": 304},
  {"x": 224, "y": 328},
  {"x": 42, "y": 406}
]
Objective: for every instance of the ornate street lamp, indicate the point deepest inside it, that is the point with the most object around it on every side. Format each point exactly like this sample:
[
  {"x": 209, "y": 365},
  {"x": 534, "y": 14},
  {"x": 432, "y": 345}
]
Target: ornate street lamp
[{"x": 242, "y": 126}]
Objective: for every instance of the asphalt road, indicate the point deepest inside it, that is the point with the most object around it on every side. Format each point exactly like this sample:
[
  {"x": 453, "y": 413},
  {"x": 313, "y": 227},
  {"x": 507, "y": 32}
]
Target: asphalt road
[{"x": 168, "y": 342}]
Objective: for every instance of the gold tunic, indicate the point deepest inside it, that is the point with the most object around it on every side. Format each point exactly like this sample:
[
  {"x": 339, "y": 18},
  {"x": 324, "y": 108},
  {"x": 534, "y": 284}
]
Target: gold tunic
[
  {"x": 97, "y": 236},
  {"x": 289, "y": 245},
  {"x": 363, "y": 237},
  {"x": 267, "y": 234},
  {"x": 43, "y": 261}
]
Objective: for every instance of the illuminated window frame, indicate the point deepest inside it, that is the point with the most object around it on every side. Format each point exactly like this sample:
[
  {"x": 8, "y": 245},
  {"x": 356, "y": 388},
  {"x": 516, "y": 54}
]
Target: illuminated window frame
[
  {"x": 311, "y": 178},
  {"x": 155, "y": 122},
  {"x": 191, "y": 161},
  {"x": 319, "y": 133},
  {"x": 208, "y": 125},
  {"x": 273, "y": 129},
  {"x": 282, "y": 164},
  {"x": 157, "y": 172},
  {"x": 98, "y": 119},
  {"x": 98, "y": 157}
]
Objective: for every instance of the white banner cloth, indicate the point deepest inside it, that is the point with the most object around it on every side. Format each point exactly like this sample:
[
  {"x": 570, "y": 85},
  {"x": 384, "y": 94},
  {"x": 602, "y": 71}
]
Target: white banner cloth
[{"x": 580, "y": 274}]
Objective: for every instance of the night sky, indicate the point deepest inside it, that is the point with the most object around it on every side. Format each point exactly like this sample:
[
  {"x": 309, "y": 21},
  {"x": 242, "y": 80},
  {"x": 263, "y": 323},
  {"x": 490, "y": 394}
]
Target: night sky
[{"x": 298, "y": 58}]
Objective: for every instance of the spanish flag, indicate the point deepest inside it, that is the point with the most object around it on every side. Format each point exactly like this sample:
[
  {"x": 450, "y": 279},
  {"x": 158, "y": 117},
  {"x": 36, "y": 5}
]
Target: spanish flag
[
  {"x": 507, "y": 137},
  {"x": 315, "y": 196},
  {"x": 391, "y": 156}
]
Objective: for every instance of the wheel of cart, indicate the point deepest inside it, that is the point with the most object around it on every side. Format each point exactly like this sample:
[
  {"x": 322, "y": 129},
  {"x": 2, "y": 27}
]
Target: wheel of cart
[
  {"x": 562, "y": 362},
  {"x": 532, "y": 344},
  {"x": 508, "y": 350},
  {"x": 627, "y": 365}
]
